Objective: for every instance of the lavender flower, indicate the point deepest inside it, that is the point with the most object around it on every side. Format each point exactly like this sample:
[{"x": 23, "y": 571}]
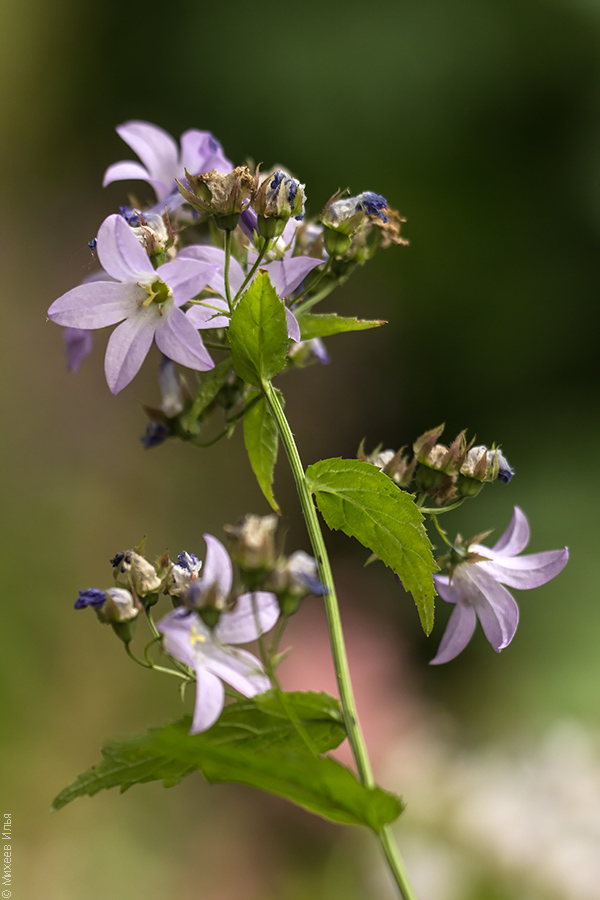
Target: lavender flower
[
  {"x": 146, "y": 298},
  {"x": 286, "y": 275},
  {"x": 476, "y": 587},
  {"x": 206, "y": 650},
  {"x": 162, "y": 160}
]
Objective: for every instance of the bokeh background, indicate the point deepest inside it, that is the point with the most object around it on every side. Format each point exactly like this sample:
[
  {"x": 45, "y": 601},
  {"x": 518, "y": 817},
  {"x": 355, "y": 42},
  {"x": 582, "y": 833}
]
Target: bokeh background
[{"x": 480, "y": 121}]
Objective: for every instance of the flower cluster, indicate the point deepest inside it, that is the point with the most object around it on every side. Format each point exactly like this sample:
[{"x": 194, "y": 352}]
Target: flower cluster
[
  {"x": 166, "y": 276},
  {"x": 211, "y": 614}
]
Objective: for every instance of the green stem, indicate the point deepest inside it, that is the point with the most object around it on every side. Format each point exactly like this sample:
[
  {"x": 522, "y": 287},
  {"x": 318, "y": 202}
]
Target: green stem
[
  {"x": 336, "y": 636},
  {"x": 226, "y": 272},
  {"x": 250, "y": 274},
  {"x": 338, "y": 647}
]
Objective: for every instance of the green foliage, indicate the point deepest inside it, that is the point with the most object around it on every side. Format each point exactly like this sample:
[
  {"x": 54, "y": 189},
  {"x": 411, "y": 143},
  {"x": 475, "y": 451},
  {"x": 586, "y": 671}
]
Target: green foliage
[
  {"x": 211, "y": 384},
  {"x": 262, "y": 440},
  {"x": 258, "y": 333},
  {"x": 325, "y": 324},
  {"x": 358, "y": 499},
  {"x": 260, "y": 742}
]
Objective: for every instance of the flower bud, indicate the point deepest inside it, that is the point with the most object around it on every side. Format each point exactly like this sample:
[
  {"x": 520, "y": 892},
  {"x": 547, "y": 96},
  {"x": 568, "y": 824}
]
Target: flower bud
[
  {"x": 347, "y": 215},
  {"x": 115, "y": 607},
  {"x": 253, "y": 542},
  {"x": 391, "y": 463},
  {"x": 279, "y": 197},
  {"x": 293, "y": 580},
  {"x": 304, "y": 353},
  {"x": 182, "y": 573},
  {"x": 225, "y": 196},
  {"x": 139, "y": 573},
  {"x": 482, "y": 465}
]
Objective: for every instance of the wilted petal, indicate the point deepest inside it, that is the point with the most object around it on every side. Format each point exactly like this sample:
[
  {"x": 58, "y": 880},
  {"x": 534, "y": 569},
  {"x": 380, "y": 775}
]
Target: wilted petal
[
  {"x": 96, "y": 304},
  {"x": 288, "y": 273},
  {"x": 121, "y": 254},
  {"x": 459, "y": 632},
  {"x": 156, "y": 149},
  {"x": 127, "y": 348},
  {"x": 528, "y": 571},
  {"x": 217, "y": 567},
  {"x": 516, "y": 537},
  {"x": 177, "y": 338},
  {"x": 210, "y": 697},
  {"x": 253, "y": 615},
  {"x": 240, "y": 669},
  {"x": 186, "y": 277}
]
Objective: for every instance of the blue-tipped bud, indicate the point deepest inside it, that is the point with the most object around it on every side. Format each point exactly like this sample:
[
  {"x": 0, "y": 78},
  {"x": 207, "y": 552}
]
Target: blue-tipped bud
[{"x": 279, "y": 197}]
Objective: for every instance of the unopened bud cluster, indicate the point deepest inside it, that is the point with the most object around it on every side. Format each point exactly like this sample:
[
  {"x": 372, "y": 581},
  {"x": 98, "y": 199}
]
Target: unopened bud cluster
[{"x": 444, "y": 472}]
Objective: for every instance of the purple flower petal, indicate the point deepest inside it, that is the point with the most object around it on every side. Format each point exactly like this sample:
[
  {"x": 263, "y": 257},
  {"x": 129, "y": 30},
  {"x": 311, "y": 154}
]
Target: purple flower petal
[
  {"x": 253, "y": 615},
  {"x": 96, "y": 304},
  {"x": 240, "y": 669},
  {"x": 528, "y": 571},
  {"x": 121, "y": 254},
  {"x": 200, "y": 152},
  {"x": 127, "y": 171},
  {"x": 210, "y": 698},
  {"x": 127, "y": 349},
  {"x": 292, "y": 325},
  {"x": 445, "y": 589},
  {"x": 186, "y": 277},
  {"x": 516, "y": 537},
  {"x": 207, "y": 317},
  {"x": 177, "y": 338},
  {"x": 216, "y": 256},
  {"x": 496, "y": 608},
  {"x": 156, "y": 149},
  {"x": 217, "y": 567},
  {"x": 459, "y": 632},
  {"x": 287, "y": 274},
  {"x": 78, "y": 346}
]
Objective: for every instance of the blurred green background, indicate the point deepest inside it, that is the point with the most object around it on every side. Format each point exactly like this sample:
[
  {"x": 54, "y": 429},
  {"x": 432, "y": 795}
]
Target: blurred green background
[{"x": 480, "y": 121}]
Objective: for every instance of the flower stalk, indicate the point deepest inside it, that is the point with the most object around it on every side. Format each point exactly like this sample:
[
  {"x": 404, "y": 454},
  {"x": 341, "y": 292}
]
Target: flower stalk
[{"x": 336, "y": 635}]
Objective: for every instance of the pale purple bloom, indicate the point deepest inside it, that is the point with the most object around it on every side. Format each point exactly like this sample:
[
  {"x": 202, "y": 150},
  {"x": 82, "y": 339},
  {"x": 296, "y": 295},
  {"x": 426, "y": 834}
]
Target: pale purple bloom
[
  {"x": 477, "y": 588},
  {"x": 163, "y": 161},
  {"x": 78, "y": 346},
  {"x": 285, "y": 274},
  {"x": 207, "y": 650},
  {"x": 147, "y": 299}
]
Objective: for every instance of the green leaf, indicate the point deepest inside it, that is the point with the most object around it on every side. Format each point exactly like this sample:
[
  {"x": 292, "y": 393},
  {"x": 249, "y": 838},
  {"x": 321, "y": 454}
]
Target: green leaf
[
  {"x": 255, "y": 742},
  {"x": 262, "y": 440},
  {"x": 358, "y": 499},
  {"x": 259, "y": 723},
  {"x": 324, "y": 325},
  {"x": 258, "y": 333},
  {"x": 210, "y": 386}
]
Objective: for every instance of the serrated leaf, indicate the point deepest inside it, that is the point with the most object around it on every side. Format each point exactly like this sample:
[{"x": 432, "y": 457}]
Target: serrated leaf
[
  {"x": 260, "y": 723},
  {"x": 262, "y": 441},
  {"x": 258, "y": 333},
  {"x": 211, "y": 384},
  {"x": 320, "y": 785},
  {"x": 357, "y": 498},
  {"x": 320, "y": 325},
  {"x": 255, "y": 742}
]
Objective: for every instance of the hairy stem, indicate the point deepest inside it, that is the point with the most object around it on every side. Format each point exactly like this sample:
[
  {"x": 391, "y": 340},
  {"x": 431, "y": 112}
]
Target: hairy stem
[{"x": 338, "y": 647}]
